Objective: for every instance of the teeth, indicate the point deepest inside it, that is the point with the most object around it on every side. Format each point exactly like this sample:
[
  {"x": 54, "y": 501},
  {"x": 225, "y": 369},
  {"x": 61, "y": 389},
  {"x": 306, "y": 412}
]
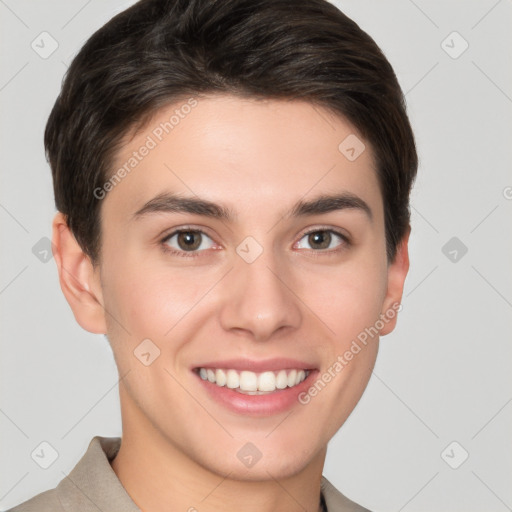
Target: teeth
[
  {"x": 252, "y": 383},
  {"x": 266, "y": 382},
  {"x": 220, "y": 377},
  {"x": 248, "y": 381},
  {"x": 292, "y": 377},
  {"x": 281, "y": 380},
  {"x": 233, "y": 380}
]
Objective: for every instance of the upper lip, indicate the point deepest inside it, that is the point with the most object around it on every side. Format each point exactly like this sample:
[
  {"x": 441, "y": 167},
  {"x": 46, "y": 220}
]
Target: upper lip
[{"x": 258, "y": 366}]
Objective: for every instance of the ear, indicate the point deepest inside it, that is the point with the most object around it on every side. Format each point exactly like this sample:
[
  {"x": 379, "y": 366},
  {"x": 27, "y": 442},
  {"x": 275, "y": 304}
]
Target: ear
[
  {"x": 397, "y": 272},
  {"x": 79, "y": 280}
]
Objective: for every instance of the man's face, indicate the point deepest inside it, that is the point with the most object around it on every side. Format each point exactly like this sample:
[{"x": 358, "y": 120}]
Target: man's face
[{"x": 266, "y": 287}]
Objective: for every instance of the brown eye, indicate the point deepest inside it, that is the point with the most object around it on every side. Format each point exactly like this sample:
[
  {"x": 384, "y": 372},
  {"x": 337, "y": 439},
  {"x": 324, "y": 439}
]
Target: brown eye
[
  {"x": 188, "y": 240},
  {"x": 322, "y": 239}
]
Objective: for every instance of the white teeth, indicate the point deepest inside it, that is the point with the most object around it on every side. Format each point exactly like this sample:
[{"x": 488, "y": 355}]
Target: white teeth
[
  {"x": 282, "y": 380},
  {"x": 233, "y": 380},
  {"x": 220, "y": 377},
  {"x": 248, "y": 381},
  {"x": 252, "y": 383},
  {"x": 267, "y": 381}
]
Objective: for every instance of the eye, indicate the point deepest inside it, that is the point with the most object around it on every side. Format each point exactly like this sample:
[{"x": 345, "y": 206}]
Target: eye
[
  {"x": 323, "y": 239},
  {"x": 187, "y": 240}
]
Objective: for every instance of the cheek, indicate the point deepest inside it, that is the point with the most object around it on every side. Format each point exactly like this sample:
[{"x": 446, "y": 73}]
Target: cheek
[
  {"x": 349, "y": 303},
  {"x": 151, "y": 300},
  {"x": 350, "y": 298}
]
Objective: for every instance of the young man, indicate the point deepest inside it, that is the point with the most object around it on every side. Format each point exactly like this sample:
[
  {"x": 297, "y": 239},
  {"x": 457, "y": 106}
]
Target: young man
[{"x": 232, "y": 179}]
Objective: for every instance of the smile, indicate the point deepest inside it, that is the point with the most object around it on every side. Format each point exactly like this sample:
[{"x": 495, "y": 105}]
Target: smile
[{"x": 251, "y": 383}]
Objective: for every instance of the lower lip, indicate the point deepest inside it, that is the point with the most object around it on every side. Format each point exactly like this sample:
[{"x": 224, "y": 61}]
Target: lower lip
[{"x": 257, "y": 405}]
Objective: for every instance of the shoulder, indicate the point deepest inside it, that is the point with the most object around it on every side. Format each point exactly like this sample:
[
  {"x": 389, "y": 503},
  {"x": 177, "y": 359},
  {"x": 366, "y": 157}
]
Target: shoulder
[
  {"x": 47, "y": 501},
  {"x": 337, "y": 502},
  {"x": 92, "y": 485}
]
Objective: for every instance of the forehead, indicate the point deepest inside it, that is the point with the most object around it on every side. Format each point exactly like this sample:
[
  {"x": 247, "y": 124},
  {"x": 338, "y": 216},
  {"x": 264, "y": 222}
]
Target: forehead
[{"x": 244, "y": 153}]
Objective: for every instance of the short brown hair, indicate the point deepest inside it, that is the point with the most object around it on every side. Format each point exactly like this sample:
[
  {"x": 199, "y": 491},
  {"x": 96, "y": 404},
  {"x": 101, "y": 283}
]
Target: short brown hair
[{"x": 159, "y": 51}]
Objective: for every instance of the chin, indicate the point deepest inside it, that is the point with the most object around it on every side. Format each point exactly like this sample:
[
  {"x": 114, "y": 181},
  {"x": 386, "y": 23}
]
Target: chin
[{"x": 251, "y": 464}]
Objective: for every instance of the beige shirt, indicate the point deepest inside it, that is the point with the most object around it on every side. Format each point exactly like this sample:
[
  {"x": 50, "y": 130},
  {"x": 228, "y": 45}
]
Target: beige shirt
[{"x": 93, "y": 486}]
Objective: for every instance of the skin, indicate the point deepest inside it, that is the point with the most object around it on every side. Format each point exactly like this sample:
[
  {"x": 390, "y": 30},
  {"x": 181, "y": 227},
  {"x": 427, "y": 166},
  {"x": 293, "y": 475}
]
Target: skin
[{"x": 257, "y": 158}]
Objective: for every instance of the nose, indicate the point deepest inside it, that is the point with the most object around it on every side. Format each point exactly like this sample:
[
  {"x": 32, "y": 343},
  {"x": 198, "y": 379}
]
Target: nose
[{"x": 259, "y": 299}]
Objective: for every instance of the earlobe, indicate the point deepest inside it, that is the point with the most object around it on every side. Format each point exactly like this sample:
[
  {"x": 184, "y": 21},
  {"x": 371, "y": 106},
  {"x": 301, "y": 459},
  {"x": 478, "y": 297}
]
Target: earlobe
[
  {"x": 397, "y": 272},
  {"x": 79, "y": 280}
]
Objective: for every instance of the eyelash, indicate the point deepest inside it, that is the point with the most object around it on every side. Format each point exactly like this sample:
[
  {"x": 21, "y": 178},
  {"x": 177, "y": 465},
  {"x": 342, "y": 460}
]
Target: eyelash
[{"x": 194, "y": 254}]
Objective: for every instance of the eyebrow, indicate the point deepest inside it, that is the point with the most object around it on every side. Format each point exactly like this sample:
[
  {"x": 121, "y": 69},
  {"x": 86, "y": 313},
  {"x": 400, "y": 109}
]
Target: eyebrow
[{"x": 325, "y": 203}]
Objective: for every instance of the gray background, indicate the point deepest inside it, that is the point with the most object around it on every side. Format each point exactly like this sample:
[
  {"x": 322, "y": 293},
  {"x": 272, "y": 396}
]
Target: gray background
[{"x": 443, "y": 376}]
